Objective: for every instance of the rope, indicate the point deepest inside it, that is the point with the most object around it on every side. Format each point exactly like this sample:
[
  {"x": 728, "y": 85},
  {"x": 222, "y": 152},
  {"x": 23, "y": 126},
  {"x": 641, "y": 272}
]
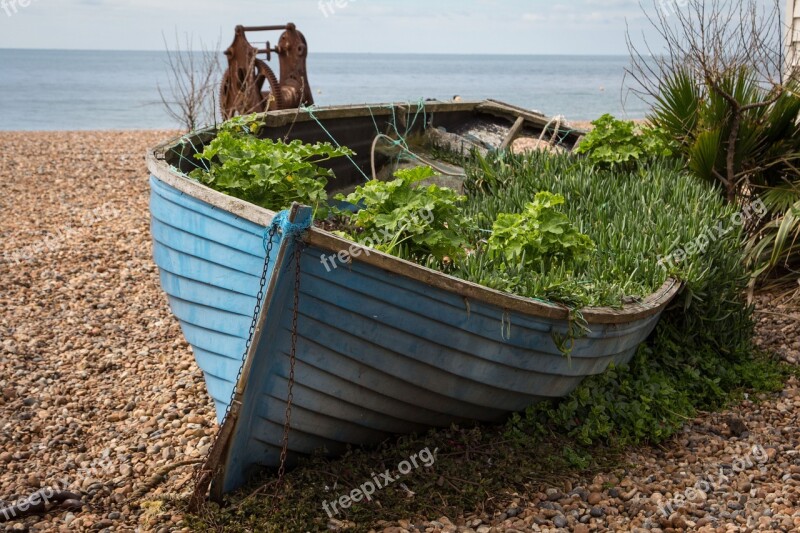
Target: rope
[
  {"x": 401, "y": 145},
  {"x": 557, "y": 119},
  {"x": 191, "y": 162},
  {"x": 310, "y": 111},
  {"x": 409, "y": 127},
  {"x": 400, "y": 141},
  {"x": 290, "y": 230},
  {"x": 159, "y": 477}
]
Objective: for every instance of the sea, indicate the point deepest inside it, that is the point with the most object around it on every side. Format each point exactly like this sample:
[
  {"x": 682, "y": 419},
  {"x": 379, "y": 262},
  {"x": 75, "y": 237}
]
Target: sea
[{"x": 97, "y": 90}]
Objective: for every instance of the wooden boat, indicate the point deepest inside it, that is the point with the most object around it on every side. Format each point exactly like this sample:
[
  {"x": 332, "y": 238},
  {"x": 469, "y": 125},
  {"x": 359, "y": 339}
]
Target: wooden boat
[{"x": 383, "y": 346}]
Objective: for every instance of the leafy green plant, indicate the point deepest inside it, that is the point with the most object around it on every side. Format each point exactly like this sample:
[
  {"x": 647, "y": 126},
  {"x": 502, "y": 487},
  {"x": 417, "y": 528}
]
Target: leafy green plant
[
  {"x": 271, "y": 174},
  {"x": 539, "y": 233},
  {"x": 632, "y": 216},
  {"x": 776, "y": 244},
  {"x": 621, "y": 143},
  {"x": 408, "y": 219},
  {"x": 735, "y": 132}
]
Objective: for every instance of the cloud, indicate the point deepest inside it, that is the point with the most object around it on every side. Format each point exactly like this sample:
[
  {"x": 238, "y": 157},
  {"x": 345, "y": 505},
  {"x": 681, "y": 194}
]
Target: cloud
[
  {"x": 445, "y": 26},
  {"x": 616, "y": 13}
]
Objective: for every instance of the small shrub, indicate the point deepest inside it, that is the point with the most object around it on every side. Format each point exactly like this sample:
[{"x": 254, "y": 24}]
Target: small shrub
[
  {"x": 271, "y": 174},
  {"x": 619, "y": 143},
  {"x": 408, "y": 220},
  {"x": 539, "y": 233}
]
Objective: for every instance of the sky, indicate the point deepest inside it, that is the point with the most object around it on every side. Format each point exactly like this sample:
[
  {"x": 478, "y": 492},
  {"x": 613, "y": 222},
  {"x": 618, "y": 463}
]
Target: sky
[{"x": 377, "y": 26}]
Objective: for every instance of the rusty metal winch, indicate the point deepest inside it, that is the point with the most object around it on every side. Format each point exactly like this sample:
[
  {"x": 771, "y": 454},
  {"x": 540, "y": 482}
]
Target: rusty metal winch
[{"x": 242, "y": 91}]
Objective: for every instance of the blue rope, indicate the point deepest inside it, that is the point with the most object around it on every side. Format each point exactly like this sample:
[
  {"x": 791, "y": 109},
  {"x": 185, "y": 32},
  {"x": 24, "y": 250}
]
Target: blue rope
[
  {"x": 401, "y": 138},
  {"x": 191, "y": 162},
  {"x": 289, "y": 230},
  {"x": 377, "y": 129},
  {"x": 400, "y": 141},
  {"x": 310, "y": 111},
  {"x": 420, "y": 107}
]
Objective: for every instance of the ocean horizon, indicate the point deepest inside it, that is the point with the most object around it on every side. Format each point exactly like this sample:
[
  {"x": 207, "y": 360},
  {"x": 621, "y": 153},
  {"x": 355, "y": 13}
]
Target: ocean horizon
[{"x": 104, "y": 90}]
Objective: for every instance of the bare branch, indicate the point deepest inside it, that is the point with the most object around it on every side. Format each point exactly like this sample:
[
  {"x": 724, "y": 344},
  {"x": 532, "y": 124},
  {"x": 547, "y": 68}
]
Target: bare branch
[
  {"x": 190, "y": 96},
  {"x": 733, "y": 49}
]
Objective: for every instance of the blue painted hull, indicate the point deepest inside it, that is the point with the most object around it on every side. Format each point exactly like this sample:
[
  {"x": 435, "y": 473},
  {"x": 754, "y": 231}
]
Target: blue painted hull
[{"x": 378, "y": 353}]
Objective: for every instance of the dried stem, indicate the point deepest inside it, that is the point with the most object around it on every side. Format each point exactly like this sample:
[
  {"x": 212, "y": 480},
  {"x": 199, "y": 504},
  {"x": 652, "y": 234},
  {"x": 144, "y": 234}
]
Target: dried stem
[{"x": 190, "y": 97}]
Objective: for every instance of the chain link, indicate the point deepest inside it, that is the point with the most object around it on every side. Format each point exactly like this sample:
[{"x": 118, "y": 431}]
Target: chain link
[
  {"x": 204, "y": 473},
  {"x": 298, "y": 253}
]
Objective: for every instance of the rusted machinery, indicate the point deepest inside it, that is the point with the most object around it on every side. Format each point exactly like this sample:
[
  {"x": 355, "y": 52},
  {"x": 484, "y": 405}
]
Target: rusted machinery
[{"x": 242, "y": 89}]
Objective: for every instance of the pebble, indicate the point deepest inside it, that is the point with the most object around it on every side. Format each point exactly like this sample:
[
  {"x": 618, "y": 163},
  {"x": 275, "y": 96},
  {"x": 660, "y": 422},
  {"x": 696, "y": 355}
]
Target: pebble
[
  {"x": 87, "y": 341},
  {"x": 764, "y": 496}
]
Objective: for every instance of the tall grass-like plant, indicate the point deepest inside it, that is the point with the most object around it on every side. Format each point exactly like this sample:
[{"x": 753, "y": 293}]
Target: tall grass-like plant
[
  {"x": 701, "y": 349},
  {"x": 632, "y": 216},
  {"x": 754, "y": 156},
  {"x": 720, "y": 87}
]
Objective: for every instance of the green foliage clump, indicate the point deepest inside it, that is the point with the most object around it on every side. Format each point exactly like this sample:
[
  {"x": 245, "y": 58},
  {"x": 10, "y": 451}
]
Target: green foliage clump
[
  {"x": 271, "y": 174},
  {"x": 620, "y": 143},
  {"x": 407, "y": 219},
  {"x": 633, "y": 217},
  {"x": 701, "y": 351},
  {"x": 539, "y": 233}
]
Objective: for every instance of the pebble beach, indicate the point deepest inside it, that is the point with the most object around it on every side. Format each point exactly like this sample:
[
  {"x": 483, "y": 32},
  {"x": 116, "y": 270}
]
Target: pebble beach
[{"x": 99, "y": 392}]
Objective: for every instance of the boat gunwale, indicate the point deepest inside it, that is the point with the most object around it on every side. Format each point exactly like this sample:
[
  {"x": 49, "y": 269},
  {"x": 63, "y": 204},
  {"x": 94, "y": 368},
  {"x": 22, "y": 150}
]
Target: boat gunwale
[{"x": 327, "y": 241}]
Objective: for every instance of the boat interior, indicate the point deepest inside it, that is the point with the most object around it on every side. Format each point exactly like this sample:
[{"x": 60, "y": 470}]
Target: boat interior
[{"x": 388, "y": 137}]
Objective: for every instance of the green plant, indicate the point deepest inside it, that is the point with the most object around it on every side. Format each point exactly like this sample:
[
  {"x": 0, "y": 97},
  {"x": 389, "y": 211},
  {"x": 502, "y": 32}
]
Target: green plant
[
  {"x": 731, "y": 129},
  {"x": 699, "y": 356},
  {"x": 632, "y": 216},
  {"x": 408, "y": 219},
  {"x": 271, "y": 174},
  {"x": 540, "y": 233},
  {"x": 734, "y": 131},
  {"x": 701, "y": 351},
  {"x": 776, "y": 244},
  {"x": 621, "y": 143}
]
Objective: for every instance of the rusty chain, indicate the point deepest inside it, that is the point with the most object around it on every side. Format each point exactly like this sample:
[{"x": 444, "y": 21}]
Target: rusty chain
[
  {"x": 205, "y": 472},
  {"x": 292, "y": 360}
]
